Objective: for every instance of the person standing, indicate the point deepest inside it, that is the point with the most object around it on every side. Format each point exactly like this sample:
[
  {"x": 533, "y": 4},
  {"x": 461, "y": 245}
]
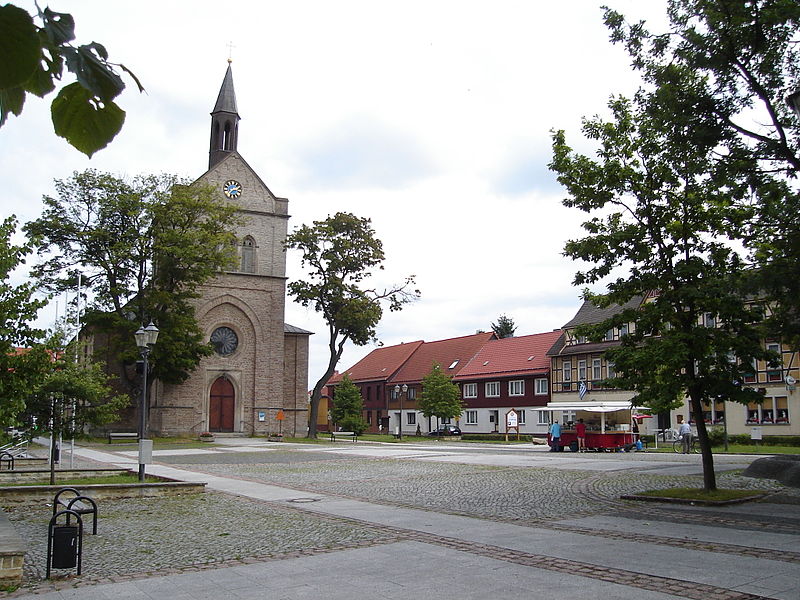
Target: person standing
[
  {"x": 555, "y": 437},
  {"x": 685, "y": 433},
  {"x": 580, "y": 430}
]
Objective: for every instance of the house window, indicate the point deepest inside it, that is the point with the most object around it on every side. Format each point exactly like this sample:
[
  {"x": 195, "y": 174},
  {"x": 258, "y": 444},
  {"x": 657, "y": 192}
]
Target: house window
[
  {"x": 521, "y": 417},
  {"x": 369, "y": 417},
  {"x": 566, "y": 371},
  {"x": 610, "y": 369},
  {"x": 248, "y": 255},
  {"x": 411, "y": 418},
  {"x": 412, "y": 393},
  {"x": 581, "y": 370},
  {"x": 471, "y": 417},
  {"x": 623, "y": 329},
  {"x": 772, "y": 373},
  {"x": 540, "y": 388},
  {"x": 709, "y": 320},
  {"x": 774, "y": 410},
  {"x": 516, "y": 387},
  {"x": 492, "y": 389},
  {"x": 470, "y": 390},
  {"x": 544, "y": 417},
  {"x": 752, "y": 376},
  {"x": 597, "y": 372},
  {"x": 568, "y": 416},
  {"x": 609, "y": 335}
]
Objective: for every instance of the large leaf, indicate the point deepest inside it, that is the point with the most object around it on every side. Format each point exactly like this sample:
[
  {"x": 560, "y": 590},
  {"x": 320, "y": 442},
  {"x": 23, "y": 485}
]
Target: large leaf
[
  {"x": 11, "y": 101},
  {"x": 19, "y": 46},
  {"x": 85, "y": 124},
  {"x": 59, "y": 27},
  {"x": 88, "y": 62}
]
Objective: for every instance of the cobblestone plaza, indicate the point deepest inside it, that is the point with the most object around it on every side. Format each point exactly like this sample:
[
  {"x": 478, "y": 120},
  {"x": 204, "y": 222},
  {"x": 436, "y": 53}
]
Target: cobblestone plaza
[{"x": 143, "y": 538}]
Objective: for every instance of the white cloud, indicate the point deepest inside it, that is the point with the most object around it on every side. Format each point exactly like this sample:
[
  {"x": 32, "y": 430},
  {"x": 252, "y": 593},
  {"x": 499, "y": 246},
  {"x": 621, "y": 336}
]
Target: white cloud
[{"x": 433, "y": 118}]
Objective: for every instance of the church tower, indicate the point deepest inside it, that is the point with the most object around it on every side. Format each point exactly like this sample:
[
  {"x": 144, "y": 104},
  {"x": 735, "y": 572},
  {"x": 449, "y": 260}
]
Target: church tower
[
  {"x": 255, "y": 382},
  {"x": 224, "y": 121}
]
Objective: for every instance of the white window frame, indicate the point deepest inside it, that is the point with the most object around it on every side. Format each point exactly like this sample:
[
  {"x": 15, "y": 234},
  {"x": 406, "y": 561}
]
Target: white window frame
[
  {"x": 470, "y": 390},
  {"x": 521, "y": 416},
  {"x": 609, "y": 369},
  {"x": 581, "y": 370},
  {"x": 566, "y": 371},
  {"x": 516, "y": 387},
  {"x": 471, "y": 417},
  {"x": 597, "y": 369},
  {"x": 544, "y": 417},
  {"x": 492, "y": 389},
  {"x": 541, "y": 386}
]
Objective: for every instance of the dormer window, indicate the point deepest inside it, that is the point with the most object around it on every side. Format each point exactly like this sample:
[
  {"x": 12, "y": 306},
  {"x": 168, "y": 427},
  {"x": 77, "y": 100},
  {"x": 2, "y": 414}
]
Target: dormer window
[{"x": 453, "y": 364}]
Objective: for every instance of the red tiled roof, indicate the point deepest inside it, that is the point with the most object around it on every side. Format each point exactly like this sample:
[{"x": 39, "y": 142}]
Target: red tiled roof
[
  {"x": 452, "y": 354},
  {"x": 511, "y": 356},
  {"x": 380, "y": 364}
]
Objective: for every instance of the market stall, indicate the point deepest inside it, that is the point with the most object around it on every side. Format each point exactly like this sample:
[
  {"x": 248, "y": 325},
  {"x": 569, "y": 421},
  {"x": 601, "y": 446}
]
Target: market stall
[{"x": 610, "y": 425}]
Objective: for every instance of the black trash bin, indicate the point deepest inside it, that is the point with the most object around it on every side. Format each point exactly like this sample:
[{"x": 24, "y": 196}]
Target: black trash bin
[{"x": 65, "y": 546}]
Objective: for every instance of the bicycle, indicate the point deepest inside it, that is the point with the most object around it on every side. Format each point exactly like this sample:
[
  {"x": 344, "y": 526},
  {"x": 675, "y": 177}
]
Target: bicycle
[{"x": 677, "y": 446}]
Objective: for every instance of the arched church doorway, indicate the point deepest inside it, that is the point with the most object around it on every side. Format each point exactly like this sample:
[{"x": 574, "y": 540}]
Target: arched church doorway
[{"x": 221, "y": 406}]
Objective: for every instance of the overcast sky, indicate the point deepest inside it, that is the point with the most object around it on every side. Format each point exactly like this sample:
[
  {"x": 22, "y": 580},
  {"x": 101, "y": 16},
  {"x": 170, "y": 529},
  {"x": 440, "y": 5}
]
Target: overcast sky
[{"x": 432, "y": 118}]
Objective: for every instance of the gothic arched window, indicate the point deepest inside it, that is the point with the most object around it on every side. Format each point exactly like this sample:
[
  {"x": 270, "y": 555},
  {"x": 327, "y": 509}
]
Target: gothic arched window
[{"x": 248, "y": 255}]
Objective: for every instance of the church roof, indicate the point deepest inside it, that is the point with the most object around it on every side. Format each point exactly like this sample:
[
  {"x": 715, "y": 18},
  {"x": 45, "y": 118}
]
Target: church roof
[
  {"x": 226, "y": 101},
  {"x": 295, "y": 330}
]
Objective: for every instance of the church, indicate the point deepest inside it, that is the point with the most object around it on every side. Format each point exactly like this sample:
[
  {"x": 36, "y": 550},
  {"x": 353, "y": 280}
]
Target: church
[{"x": 255, "y": 383}]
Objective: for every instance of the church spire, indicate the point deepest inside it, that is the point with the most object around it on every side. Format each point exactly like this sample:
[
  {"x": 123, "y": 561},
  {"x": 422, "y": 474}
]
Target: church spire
[{"x": 224, "y": 121}]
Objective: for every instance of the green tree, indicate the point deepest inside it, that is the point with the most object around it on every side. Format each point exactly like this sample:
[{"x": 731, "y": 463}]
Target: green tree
[
  {"x": 745, "y": 58},
  {"x": 440, "y": 397},
  {"x": 340, "y": 253},
  {"x": 348, "y": 407},
  {"x": 660, "y": 228},
  {"x": 18, "y": 310},
  {"x": 34, "y": 57},
  {"x": 142, "y": 248},
  {"x": 69, "y": 397},
  {"x": 504, "y": 328}
]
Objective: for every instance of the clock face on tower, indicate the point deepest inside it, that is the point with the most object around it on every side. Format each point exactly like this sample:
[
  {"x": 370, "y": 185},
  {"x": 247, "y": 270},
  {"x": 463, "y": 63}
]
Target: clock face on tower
[{"x": 232, "y": 188}]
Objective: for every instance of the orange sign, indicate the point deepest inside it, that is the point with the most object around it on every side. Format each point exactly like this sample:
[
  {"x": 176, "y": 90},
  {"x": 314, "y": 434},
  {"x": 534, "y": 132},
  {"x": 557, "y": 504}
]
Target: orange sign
[{"x": 280, "y": 416}]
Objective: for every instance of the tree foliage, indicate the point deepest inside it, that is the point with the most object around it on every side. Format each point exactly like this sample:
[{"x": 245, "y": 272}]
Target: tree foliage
[
  {"x": 348, "y": 407},
  {"x": 744, "y": 56},
  {"x": 340, "y": 254},
  {"x": 34, "y": 58},
  {"x": 142, "y": 248},
  {"x": 18, "y": 310},
  {"x": 68, "y": 397},
  {"x": 440, "y": 397},
  {"x": 658, "y": 217},
  {"x": 504, "y": 327}
]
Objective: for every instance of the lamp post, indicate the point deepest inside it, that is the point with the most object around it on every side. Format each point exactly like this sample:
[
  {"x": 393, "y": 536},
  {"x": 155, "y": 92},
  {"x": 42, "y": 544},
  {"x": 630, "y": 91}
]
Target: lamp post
[
  {"x": 145, "y": 339},
  {"x": 397, "y": 390}
]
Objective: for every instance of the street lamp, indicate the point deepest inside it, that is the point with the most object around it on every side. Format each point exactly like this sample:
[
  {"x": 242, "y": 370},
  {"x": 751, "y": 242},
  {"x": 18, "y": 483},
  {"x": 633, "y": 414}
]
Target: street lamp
[
  {"x": 397, "y": 389},
  {"x": 145, "y": 339}
]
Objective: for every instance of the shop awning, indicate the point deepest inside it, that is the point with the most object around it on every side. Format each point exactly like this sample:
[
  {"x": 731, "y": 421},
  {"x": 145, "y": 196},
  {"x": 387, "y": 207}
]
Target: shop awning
[{"x": 596, "y": 406}]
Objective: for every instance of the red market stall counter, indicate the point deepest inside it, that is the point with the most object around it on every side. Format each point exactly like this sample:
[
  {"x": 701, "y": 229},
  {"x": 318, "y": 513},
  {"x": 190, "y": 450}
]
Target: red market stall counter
[{"x": 596, "y": 440}]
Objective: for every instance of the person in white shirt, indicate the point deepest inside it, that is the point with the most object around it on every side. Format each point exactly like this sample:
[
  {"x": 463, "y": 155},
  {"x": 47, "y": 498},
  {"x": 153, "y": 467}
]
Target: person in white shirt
[{"x": 685, "y": 433}]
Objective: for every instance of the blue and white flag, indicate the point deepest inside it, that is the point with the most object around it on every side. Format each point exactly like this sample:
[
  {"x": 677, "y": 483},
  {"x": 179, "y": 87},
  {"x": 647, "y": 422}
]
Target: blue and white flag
[{"x": 582, "y": 389}]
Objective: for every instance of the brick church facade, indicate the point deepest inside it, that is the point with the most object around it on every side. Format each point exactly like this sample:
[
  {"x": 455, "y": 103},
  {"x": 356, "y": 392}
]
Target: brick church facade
[{"x": 255, "y": 383}]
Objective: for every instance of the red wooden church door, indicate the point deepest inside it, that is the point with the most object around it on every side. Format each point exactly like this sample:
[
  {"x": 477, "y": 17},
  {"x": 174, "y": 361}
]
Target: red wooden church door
[{"x": 220, "y": 414}]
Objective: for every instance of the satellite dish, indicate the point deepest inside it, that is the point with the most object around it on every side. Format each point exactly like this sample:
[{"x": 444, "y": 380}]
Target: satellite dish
[{"x": 790, "y": 380}]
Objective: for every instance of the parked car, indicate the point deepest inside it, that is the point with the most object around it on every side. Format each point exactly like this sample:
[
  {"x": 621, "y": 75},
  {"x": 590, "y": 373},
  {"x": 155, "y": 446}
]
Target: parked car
[{"x": 446, "y": 430}]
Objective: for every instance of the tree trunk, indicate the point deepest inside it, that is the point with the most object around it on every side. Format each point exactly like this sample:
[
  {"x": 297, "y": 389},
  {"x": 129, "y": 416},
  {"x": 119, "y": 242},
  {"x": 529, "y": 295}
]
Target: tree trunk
[{"x": 709, "y": 477}]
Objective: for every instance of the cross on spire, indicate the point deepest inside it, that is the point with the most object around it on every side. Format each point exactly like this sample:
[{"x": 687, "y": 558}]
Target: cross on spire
[{"x": 230, "y": 51}]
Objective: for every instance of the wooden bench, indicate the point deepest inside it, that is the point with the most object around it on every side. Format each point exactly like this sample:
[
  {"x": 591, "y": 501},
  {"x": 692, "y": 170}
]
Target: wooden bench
[
  {"x": 341, "y": 434},
  {"x": 83, "y": 505},
  {"x": 121, "y": 435}
]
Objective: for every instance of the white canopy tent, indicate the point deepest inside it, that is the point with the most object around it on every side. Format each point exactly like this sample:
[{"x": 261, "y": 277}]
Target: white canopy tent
[{"x": 595, "y": 406}]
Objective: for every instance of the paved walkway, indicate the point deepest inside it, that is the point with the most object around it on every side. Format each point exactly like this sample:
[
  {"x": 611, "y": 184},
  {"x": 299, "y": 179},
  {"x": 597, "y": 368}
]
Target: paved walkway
[{"x": 740, "y": 553}]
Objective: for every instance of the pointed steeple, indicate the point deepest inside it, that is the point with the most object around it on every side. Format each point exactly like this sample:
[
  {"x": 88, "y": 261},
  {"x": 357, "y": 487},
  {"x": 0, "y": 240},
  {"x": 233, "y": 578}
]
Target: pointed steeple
[{"x": 224, "y": 121}]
